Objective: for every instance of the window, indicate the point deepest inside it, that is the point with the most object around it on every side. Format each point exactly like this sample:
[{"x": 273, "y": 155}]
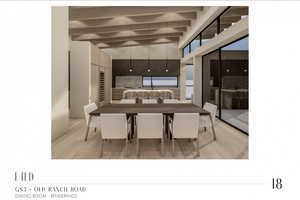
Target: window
[
  {"x": 195, "y": 43},
  {"x": 209, "y": 32},
  {"x": 189, "y": 85},
  {"x": 186, "y": 50},
  {"x": 232, "y": 15},
  {"x": 225, "y": 82},
  {"x": 234, "y": 107},
  {"x": 159, "y": 81},
  {"x": 229, "y": 17},
  {"x": 147, "y": 81}
]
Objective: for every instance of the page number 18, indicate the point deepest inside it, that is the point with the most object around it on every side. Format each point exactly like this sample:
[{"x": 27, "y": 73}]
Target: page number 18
[{"x": 276, "y": 183}]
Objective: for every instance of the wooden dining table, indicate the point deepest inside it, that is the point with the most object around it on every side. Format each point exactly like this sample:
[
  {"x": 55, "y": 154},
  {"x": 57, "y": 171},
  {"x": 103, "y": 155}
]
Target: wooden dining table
[{"x": 131, "y": 110}]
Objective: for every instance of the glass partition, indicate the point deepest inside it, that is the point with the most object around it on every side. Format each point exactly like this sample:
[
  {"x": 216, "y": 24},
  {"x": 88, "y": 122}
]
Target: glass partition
[
  {"x": 211, "y": 78},
  {"x": 225, "y": 82},
  {"x": 234, "y": 92}
]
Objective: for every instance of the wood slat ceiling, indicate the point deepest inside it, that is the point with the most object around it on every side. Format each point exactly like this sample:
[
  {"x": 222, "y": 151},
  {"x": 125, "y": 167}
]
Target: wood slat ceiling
[{"x": 109, "y": 27}]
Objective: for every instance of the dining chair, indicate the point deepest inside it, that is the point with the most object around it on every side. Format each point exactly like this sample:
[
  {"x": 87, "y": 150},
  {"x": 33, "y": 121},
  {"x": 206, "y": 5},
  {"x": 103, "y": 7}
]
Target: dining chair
[
  {"x": 114, "y": 126},
  {"x": 149, "y": 126},
  {"x": 204, "y": 121},
  {"x": 131, "y": 117},
  {"x": 149, "y": 101},
  {"x": 185, "y": 126},
  {"x": 127, "y": 101},
  {"x": 94, "y": 121},
  {"x": 171, "y": 101}
]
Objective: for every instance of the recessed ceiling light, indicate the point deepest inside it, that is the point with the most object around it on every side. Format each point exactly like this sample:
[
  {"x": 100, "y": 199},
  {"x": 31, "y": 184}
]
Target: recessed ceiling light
[
  {"x": 227, "y": 70},
  {"x": 167, "y": 70},
  {"x": 130, "y": 70},
  {"x": 148, "y": 70}
]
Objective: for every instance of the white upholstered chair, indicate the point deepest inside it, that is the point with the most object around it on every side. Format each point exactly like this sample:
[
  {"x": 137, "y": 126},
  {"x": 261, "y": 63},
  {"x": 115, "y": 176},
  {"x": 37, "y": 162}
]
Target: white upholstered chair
[
  {"x": 150, "y": 126},
  {"x": 185, "y": 125},
  {"x": 171, "y": 101},
  {"x": 204, "y": 121},
  {"x": 149, "y": 101},
  {"x": 127, "y": 101},
  {"x": 114, "y": 126},
  {"x": 94, "y": 121}
]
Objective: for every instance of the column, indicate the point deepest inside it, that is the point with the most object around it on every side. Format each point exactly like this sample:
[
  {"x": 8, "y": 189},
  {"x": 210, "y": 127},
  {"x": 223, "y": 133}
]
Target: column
[
  {"x": 182, "y": 82},
  {"x": 197, "y": 74}
]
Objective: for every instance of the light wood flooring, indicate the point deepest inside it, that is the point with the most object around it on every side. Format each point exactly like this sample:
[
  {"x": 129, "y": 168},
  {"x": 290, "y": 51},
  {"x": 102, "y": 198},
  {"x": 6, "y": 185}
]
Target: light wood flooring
[{"x": 230, "y": 144}]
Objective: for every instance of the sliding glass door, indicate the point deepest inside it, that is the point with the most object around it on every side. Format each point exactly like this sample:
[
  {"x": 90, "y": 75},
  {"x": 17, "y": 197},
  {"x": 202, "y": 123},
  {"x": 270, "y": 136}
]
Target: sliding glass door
[
  {"x": 225, "y": 82},
  {"x": 211, "y": 78}
]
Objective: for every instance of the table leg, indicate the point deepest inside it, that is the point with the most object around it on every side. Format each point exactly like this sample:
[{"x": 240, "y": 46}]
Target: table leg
[
  {"x": 88, "y": 128},
  {"x": 212, "y": 127},
  {"x": 132, "y": 127},
  {"x": 167, "y": 125}
]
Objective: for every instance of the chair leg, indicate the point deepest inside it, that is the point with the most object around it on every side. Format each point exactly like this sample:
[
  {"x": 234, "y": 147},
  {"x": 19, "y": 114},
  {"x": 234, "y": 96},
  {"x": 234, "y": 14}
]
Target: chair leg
[
  {"x": 213, "y": 128},
  {"x": 162, "y": 146},
  {"x": 173, "y": 146},
  {"x": 101, "y": 148},
  {"x": 198, "y": 146},
  {"x": 95, "y": 129},
  {"x": 126, "y": 147},
  {"x": 137, "y": 147},
  {"x": 88, "y": 128}
]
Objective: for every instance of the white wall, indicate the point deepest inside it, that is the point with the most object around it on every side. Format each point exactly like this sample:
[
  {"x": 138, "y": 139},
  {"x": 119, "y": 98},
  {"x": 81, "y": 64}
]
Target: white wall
[
  {"x": 86, "y": 62},
  {"x": 80, "y": 77},
  {"x": 60, "y": 47},
  {"x": 158, "y": 51}
]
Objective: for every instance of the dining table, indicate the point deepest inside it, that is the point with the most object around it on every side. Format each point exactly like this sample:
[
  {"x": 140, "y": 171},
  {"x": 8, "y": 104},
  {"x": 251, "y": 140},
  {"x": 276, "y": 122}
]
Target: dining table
[{"x": 131, "y": 110}]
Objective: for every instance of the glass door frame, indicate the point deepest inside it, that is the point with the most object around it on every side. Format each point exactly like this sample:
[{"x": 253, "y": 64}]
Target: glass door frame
[{"x": 220, "y": 80}]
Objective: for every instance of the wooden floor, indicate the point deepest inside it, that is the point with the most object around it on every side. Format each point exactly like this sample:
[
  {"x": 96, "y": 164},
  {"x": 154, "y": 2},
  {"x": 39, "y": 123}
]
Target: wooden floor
[{"x": 230, "y": 144}]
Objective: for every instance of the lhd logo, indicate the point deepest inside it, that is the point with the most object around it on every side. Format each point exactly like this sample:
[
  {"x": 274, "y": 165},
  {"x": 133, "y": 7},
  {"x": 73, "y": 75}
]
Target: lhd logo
[{"x": 24, "y": 176}]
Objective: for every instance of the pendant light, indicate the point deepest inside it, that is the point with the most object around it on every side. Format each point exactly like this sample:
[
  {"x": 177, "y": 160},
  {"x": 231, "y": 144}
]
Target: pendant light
[
  {"x": 130, "y": 61},
  {"x": 148, "y": 64},
  {"x": 166, "y": 69}
]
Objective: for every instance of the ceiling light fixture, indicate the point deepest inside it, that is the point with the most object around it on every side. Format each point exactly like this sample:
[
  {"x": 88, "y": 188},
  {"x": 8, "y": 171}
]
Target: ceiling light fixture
[
  {"x": 148, "y": 64},
  {"x": 130, "y": 61}
]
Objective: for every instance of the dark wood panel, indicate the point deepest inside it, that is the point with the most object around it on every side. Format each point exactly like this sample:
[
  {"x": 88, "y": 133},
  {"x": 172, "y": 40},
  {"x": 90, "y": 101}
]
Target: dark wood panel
[
  {"x": 120, "y": 67},
  {"x": 140, "y": 67}
]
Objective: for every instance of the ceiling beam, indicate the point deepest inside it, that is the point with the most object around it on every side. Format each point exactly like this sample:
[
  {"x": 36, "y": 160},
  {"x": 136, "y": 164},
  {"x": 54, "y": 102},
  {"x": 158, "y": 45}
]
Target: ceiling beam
[
  {"x": 123, "y": 20},
  {"x": 135, "y": 38},
  {"x": 141, "y": 43},
  {"x": 129, "y": 33},
  {"x": 80, "y": 31},
  {"x": 110, "y": 12}
]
